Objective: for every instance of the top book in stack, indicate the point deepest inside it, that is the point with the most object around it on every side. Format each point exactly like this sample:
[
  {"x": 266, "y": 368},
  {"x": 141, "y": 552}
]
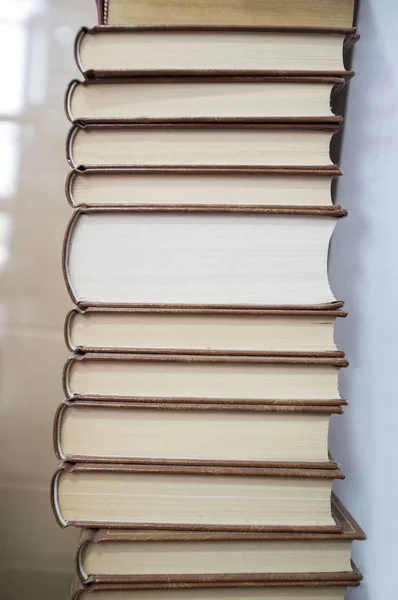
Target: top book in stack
[{"x": 321, "y": 13}]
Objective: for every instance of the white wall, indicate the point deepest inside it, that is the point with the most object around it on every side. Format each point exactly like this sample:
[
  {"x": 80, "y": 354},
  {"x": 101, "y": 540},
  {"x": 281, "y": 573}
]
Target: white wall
[{"x": 363, "y": 272}]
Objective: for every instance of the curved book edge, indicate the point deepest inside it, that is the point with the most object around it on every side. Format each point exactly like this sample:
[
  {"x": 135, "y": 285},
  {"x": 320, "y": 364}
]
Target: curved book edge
[
  {"x": 350, "y": 531},
  {"x": 85, "y": 210},
  {"x": 201, "y": 471},
  {"x": 74, "y": 131},
  {"x": 332, "y": 171},
  {"x": 195, "y": 359},
  {"x": 237, "y": 407},
  {"x": 336, "y": 83},
  {"x": 81, "y": 349},
  {"x": 351, "y": 37}
]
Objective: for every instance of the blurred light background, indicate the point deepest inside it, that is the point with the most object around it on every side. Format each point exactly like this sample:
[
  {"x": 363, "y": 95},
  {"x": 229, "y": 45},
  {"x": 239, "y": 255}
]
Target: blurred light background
[{"x": 36, "y": 56}]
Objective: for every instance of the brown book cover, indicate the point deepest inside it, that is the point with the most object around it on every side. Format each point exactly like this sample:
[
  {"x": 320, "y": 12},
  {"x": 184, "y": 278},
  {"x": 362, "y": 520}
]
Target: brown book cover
[
  {"x": 321, "y": 13},
  {"x": 348, "y": 33},
  {"x": 253, "y": 314},
  {"x": 350, "y": 531},
  {"x": 75, "y": 132},
  {"x": 195, "y": 471},
  {"x": 335, "y": 83},
  {"x": 333, "y": 363},
  {"x": 81, "y": 590},
  {"x": 183, "y": 249},
  {"x": 194, "y": 409},
  {"x": 79, "y": 176}
]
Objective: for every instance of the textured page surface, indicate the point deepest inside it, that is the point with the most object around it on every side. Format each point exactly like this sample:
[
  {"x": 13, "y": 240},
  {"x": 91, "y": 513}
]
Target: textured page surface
[
  {"x": 203, "y": 50},
  {"x": 217, "y": 259},
  {"x": 323, "y": 13}
]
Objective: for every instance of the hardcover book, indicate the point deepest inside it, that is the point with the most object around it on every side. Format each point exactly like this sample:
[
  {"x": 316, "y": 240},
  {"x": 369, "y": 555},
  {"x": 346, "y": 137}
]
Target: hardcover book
[
  {"x": 211, "y": 434},
  {"x": 324, "y": 13},
  {"x": 230, "y": 331},
  {"x": 236, "y": 188},
  {"x": 201, "y": 145},
  {"x": 202, "y": 99},
  {"x": 127, "y": 556},
  {"x": 208, "y": 379},
  {"x": 194, "y": 497},
  {"x": 133, "y": 257},
  {"x": 163, "y": 50}
]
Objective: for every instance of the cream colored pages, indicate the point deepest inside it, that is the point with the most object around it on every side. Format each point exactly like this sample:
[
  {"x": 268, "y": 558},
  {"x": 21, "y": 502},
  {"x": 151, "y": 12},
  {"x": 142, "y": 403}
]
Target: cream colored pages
[
  {"x": 217, "y": 435},
  {"x": 185, "y": 146},
  {"x": 203, "y": 380},
  {"x": 203, "y": 332},
  {"x": 273, "y": 593},
  {"x": 272, "y": 190},
  {"x": 198, "y": 500},
  {"x": 200, "y": 100},
  {"x": 200, "y": 50},
  {"x": 324, "y": 13},
  {"x": 200, "y": 259},
  {"x": 216, "y": 557}
]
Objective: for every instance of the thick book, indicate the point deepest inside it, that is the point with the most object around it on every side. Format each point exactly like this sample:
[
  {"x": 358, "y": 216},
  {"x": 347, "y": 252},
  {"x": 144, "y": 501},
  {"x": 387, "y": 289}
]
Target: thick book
[
  {"x": 162, "y": 378},
  {"x": 120, "y": 51},
  {"x": 116, "y": 256},
  {"x": 207, "y": 187},
  {"x": 325, "y": 589},
  {"x": 201, "y": 144},
  {"x": 321, "y": 13},
  {"x": 126, "y": 556},
  {"x": 203, "y": 434},
  {"x": 202, "y": 99},
  {"x": 194, "y": 497},
  {"x": 244, "y": 332}
]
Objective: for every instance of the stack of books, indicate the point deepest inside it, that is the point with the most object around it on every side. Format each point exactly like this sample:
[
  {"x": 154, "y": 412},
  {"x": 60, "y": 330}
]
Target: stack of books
[{"x": 193, "y": 437}]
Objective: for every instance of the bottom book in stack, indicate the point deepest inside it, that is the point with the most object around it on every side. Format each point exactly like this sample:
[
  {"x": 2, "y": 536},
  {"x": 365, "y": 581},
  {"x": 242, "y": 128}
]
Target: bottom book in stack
[
  {"x": 159, "y": 532},
  {"x": 278, "y": 590},
  {"x": 119, "y": 556},
  {"x": 118, "y": 564}
]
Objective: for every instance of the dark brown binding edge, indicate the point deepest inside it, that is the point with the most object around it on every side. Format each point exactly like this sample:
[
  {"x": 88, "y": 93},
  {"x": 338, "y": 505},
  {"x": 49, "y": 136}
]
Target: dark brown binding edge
[
  {"x": 102, "y": 11},
  {"x": 332, "y": 171},
  {"x": 350, "y": 531},
  {"x": 120, "y": 74},
  {"x": 335, "y": 82},
  {"x": 223, "y": 401},
  {"x": 221, "y": 28},
  {"x": 135, "y": 350},
  {"x": 83, "y": 305},
  {"x": 227, "y": 579},
  {"x": 75, "y": 458},
  {"x": 333, "y": 362},
  {"x": 332, "y": 306},
  {"x": 73, "y": 131},
  {"x": 198, "y": 358},
  {"x": 333, "y": 211},
  {"x": 86, "y": 537},
  {"x": 100, "y": 209},
  {"x": 296, "y": 473},
  {"x": 330, "y": 474}
]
